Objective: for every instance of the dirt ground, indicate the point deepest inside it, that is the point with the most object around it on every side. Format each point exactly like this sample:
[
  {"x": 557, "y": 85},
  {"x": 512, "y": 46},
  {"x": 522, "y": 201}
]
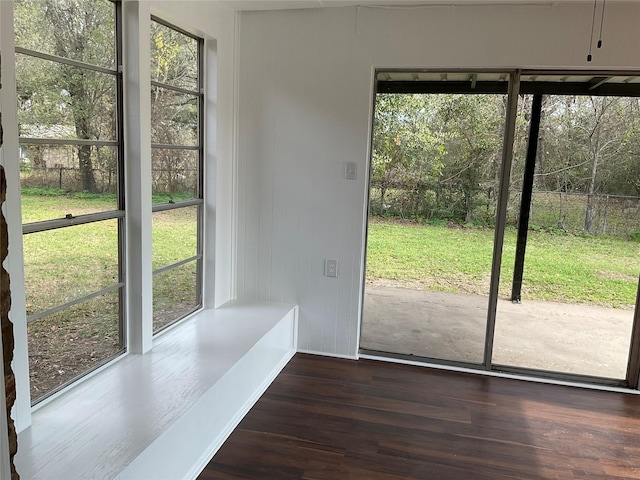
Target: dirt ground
[{"x": 573, "y": 338}]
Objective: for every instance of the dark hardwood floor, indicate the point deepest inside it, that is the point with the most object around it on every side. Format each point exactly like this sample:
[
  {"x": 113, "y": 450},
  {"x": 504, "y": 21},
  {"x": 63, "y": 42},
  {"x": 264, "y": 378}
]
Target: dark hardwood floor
[{"x": 332, "y": 419}]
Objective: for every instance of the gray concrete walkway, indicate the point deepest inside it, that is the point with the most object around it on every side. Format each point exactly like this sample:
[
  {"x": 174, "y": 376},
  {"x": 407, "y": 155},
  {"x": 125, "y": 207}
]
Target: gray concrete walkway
[{"x": 582, "y": 339}]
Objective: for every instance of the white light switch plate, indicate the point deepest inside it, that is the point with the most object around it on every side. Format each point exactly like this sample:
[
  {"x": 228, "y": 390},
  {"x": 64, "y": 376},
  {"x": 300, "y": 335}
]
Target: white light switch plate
[{"x": 351, "y": 172}]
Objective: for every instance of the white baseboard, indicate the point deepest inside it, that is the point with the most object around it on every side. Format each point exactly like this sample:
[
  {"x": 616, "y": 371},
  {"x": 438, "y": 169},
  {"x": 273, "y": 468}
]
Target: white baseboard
[{"x": 325, "y": 354}]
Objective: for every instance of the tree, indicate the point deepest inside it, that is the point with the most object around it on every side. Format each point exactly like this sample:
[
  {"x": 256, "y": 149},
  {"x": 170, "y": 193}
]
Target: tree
[
  {"x": 54, "y": 96},
  {"x": 174, "y": 62},
  {"x": 407, "y": 152},
  {"x": 442, "y": 151},
  {"x": 472, "y": 127},
  {"x": 441, "y": 154}
]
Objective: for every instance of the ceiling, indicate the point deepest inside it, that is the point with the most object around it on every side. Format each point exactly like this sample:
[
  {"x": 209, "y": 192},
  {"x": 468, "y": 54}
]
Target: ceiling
[
  {"x": 531, "y": 82},
  {"x": 458, "y": 76},
  {"x": 290, "y": 4}
]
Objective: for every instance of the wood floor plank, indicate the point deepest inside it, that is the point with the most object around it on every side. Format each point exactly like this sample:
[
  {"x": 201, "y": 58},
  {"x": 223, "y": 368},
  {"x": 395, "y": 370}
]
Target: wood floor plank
[{"x": 326, "y": 418}]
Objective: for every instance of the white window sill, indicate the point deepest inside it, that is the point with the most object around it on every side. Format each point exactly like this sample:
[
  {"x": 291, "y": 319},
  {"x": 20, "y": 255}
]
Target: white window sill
[{"x": 165, "y": 413}]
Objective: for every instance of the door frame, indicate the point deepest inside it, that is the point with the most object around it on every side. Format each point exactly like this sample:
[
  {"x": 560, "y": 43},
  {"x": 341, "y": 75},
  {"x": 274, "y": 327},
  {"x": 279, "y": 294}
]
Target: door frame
[{"x": 590, "y": 82}]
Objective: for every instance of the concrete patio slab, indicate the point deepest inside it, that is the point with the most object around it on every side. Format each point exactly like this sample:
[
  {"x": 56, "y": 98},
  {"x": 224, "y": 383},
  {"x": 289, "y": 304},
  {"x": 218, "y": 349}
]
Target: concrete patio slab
[{"x": 552, "y": 336}]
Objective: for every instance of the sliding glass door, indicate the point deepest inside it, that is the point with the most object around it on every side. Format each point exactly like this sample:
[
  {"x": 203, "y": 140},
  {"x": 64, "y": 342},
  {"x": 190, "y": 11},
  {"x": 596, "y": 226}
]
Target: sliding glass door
[
  {"x": 504, "y": 222},
  {"x": 570, "y": 271},
  {"x": 435, "y": 174}
]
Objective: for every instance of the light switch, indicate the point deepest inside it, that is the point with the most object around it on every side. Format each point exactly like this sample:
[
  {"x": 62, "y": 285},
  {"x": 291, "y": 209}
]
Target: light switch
[
  {"x": 351, "y": 171},
  {"x": 330, "y": 268}
]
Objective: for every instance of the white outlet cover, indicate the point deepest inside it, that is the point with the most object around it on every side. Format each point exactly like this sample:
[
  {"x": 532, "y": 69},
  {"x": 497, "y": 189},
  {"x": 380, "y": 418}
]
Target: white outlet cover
[{"x": 330, "y": 268}]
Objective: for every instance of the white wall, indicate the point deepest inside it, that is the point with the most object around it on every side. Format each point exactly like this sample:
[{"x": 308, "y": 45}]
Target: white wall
[{"x": 305, "y": 88}]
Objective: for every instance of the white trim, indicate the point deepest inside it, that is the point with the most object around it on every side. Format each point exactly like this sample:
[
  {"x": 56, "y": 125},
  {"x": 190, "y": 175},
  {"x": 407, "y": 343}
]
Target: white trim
[
  {"x": 164, "y": 414},
  {"x": 325, "y": 354},
  {"x": 5, "y": 462},
  {"x": 208, "y": 228},
  {"x": 512, "y": 376},
  {"x": 14, "y": 263},
  {"x": 365, "y": 210},
  {"x": 136, "y": 19},
  {"x": 235, "y": 148}
]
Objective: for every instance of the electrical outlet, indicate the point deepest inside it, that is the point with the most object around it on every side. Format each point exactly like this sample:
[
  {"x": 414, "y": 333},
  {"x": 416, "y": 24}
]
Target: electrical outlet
[{"x": 330, "y": 268}]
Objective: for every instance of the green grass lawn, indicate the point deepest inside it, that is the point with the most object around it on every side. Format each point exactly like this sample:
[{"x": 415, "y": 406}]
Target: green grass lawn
[
  {"x": 566, "y": 268},
  {"x": 66, "y": 264}
]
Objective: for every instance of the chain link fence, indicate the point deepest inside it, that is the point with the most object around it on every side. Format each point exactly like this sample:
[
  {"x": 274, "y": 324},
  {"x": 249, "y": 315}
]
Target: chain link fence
[
  {"x": 69, "y": 179},
  {"x": 613, "y": 215}
]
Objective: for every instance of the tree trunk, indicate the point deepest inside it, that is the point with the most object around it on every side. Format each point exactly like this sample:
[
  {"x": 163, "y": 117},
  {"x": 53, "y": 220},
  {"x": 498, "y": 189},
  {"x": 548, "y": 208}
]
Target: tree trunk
[
  {"x": 588, "y": 216},
  {"x": 37, "y": 156},
  {"x": 541, "y": 180},
  {"x": 83, "y": 131},
  {"x": 88, "y": 181},
  {"x": 468, "y": 205}
]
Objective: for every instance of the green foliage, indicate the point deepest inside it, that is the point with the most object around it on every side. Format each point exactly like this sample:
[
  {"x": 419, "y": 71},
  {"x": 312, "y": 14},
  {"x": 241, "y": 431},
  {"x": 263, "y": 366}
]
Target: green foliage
[
  {"x": 439, "y": 156},
  {"x": 157, "y": 198},
  {"x": 558, "y": 266},
  {"x": 434, "y": 150},
  {"x": 95, "y": 196},
  {"x": 60, "y": 101},
  {"x": 43, "y": 192}
]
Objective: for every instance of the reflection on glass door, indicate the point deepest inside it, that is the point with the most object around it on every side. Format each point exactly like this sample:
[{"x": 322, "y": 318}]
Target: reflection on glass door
[
  {"x": 571, "y": 257},
  {"x": 434, "y": 182}
]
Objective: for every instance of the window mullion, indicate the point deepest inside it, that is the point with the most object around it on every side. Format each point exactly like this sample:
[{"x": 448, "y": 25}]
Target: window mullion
[
  {"x": 71, "y": 221},
  {"x": 137, "y": 141}
]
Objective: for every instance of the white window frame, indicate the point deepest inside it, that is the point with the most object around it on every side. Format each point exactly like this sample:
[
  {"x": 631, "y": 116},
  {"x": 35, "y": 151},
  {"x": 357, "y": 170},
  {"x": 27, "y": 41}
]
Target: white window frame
[
  {"x": 117, "y": 214},
  {"x": 199, "y": 201},
  {"x": 136, "y": 18}
]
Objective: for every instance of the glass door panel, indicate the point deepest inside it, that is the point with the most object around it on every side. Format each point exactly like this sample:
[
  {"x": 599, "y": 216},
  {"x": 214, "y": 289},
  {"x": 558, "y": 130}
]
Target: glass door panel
[
  {"x": 572, "y": 309},
  {"x": 434, "y": 182}
]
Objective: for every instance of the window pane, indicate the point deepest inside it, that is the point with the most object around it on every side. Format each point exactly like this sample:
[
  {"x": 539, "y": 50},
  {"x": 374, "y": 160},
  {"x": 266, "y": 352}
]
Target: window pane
[
  {"x": 175, "y": 236},
  {"x": 434, "y": 171},
  {"x": 61, "y": 101},
  {"x": 576, "y": 272},
  {"x": 68, "y": 263},
  {"x": 174, "y": 58},
  {"x": 55, "y": 183},
  {"x": 174, "y": 174},
  {"x": 174, "y": 117},
  {"x": 74, "y": 341},
  {"x": 174, "y": 295},
  {"x": 81, "y": 30}
]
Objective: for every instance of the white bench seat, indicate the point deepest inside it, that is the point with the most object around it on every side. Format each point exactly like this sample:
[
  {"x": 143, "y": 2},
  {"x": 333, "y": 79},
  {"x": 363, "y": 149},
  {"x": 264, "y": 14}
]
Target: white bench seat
[{"x": 164, "y": 414}]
